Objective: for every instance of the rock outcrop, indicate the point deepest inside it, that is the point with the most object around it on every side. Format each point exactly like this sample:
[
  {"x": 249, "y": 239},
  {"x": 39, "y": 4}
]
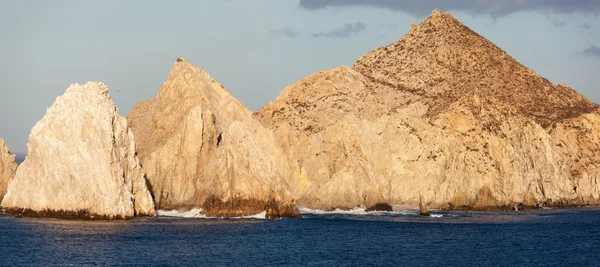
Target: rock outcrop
[
  {"x": 8, "y": 167},
  {"x": 201, "y": 147},
  {"x": 442, "y": 111},
  {"x": 423, "y": 208},
  {"x": 81, "y": 162}
]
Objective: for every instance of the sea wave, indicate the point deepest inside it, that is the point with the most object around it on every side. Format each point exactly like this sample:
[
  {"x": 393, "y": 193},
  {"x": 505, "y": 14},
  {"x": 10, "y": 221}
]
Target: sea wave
[
  {"x": 193, "y": 213},
  {"x": 197, "y": 213},
  {"x": 362, "y": 211},
  {"x": 261, "y": 216}
]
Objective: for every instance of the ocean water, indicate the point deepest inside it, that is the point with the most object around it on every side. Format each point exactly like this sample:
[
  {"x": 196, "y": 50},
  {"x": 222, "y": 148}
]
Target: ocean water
[{"x": 569, "y": 237}]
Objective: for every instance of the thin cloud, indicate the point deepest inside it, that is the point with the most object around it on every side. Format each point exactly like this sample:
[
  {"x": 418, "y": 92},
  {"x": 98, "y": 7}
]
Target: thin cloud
[
  {"x": 284, "y": 32},
  {"x": 586, "y": 26},
  {"x": 592, "y": 51},
  {"x": 558, "y": 24},
  {"x": 344, "y": 31},
  {"x": 496, "y": 8}
]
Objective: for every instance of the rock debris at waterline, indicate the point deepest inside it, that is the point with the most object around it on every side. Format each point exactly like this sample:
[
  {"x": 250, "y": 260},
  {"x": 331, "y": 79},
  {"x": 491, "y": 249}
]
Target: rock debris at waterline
[
  {"x": 81, "y": 163},
  {"x": 201, "y": 148}
]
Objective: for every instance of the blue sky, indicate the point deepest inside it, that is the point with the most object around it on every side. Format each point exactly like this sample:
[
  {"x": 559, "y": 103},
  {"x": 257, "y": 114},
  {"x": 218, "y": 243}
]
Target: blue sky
[{"x": 255, "y": 48}]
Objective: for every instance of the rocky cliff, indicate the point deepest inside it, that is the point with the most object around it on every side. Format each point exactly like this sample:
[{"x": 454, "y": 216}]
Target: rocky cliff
[
  {"x": 8, "y": 167},
  {"x": 201, "y": 147},
  {"x": 444, "y": 113},
  {"x": 81, "y": 162}
]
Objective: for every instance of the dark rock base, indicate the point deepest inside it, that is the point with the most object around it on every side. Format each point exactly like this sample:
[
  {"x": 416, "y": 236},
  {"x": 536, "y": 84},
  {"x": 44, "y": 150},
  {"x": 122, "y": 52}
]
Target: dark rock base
[
  {"x": 278, "y": 210},
  {"x": 561, "y": 204},
  {"x": 380, "y": 207},
  {"x": 60, "y": 214},
  {"x": 238, "y": 207}
]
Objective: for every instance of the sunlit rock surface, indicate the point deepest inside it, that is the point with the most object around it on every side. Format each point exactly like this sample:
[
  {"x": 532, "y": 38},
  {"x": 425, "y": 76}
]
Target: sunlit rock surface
[
  {"x": 201, "y": 147},
  {"x": 442, "y": 112},
  {"x": 81, "y": 162}
]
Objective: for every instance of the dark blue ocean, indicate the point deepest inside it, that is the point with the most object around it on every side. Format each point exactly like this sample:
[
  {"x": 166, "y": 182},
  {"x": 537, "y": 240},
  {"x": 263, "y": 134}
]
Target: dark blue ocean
[{"x": 531, "y": 238}]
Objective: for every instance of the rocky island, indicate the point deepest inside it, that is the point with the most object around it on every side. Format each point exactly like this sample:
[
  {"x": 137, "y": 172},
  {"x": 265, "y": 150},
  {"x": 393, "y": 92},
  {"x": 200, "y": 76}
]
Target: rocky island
[
  {"x": 440, "y": 119},
  {"x": 8, "y": 167},
  {"x": 81, "y": 163},
  {"x": 443, "y": 112}
]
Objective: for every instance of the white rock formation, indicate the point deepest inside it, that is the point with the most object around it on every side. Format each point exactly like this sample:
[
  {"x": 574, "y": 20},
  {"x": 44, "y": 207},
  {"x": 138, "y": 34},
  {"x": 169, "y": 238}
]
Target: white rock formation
[
  {"x": 8, "y": 167},
  {"x": 81, "y": 162}
]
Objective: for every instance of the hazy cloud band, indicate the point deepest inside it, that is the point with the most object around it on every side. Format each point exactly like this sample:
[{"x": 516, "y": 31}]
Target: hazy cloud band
[{"x": 496, "y": 8}]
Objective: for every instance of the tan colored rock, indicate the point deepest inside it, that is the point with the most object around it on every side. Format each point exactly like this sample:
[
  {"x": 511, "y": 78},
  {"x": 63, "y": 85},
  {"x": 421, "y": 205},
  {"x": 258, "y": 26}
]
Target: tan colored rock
[
  {"x": 578, "y": 140},
  {"x": 8, "y": 167},
  {"x": 442, "y": 60},
  {"x": 444, "y": 112},
  {"x": 81, "y": 162},
  {"x": 201, "y": 147}
]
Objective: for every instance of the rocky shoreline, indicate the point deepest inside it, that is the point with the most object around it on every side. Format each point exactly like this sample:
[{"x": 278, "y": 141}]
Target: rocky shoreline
[
  {"x": 66, "y": 214},
  {"x": 440, "y": 119}
]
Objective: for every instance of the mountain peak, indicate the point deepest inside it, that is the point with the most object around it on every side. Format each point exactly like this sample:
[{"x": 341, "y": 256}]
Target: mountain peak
[
  {"x": 438, "y": 17},
  {"x": 439, "y": 21},
  {"x": 186, "y": 87},
  {"x": 440, "y": 60}
]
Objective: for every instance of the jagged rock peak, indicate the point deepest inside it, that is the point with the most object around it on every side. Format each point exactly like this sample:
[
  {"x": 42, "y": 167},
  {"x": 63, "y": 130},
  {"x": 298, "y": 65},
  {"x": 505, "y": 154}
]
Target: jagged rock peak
[
  {"x": 8, "y": 167},
  {"x": 186, "y": 87},
  {"x": 441, "y": 59},
  {"x": 442, "y": 20},
  {"x": 200, "y": 147},
  {"x": 81, "y": 162}
]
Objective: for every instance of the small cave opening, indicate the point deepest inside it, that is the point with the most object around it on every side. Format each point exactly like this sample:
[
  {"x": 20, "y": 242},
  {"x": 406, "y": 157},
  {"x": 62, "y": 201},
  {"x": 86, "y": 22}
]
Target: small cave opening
[{"x": 219, "y": 139}]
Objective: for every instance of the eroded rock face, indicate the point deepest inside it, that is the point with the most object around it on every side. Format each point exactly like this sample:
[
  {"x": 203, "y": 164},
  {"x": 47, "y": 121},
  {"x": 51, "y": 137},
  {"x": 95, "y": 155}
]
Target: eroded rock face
[
  {"x": 201, "y": 147},
  {"x": 8, "y": 167},
  {"x": 81, "y": 162},
  {"x": 578, "y": 141},
  {"x": 442, "y": 112}
]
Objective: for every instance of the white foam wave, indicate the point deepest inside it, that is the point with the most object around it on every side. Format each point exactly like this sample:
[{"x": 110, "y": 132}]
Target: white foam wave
[
  {"x": 436, "y": 215},
  {"x": 261, "y": 215},
  {"x": 358, "y": 211},
  {"x": 193, "y": 213},
  {"x": 197, "y": 213},
  {"x": 355, "y": 211}
]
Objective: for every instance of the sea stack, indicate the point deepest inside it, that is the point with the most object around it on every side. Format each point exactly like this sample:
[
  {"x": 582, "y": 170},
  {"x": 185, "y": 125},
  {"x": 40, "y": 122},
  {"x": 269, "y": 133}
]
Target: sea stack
[
  {"x": 8, "y": 167},
  {"x": 81, "y": 162},
  {"x": 201, "y": 148},
  {"x": 442, "y": 111}
]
